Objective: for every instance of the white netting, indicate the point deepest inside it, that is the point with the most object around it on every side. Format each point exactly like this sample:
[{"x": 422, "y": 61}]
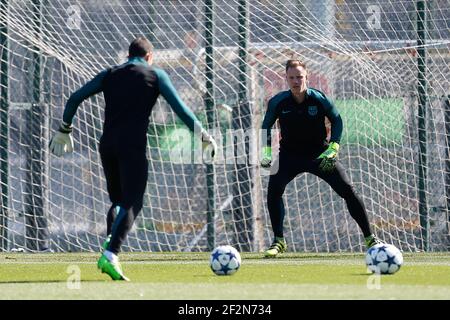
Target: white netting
[{"x": 362, "y": 54}]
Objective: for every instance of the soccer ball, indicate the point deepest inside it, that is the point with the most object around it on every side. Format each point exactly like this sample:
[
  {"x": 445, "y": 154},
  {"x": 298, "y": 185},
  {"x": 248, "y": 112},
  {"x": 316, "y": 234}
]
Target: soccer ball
[
  {"x": 225, "y": 260},
  {"x": 384, "y": 259}
]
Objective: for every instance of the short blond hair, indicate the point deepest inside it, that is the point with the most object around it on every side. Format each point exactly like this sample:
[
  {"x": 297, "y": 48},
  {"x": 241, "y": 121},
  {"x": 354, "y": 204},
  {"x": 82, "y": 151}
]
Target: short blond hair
[{"x": 293, "y": 63}]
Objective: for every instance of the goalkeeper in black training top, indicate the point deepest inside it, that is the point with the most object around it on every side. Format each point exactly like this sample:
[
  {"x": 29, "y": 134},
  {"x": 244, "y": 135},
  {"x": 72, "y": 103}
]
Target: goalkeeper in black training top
[
  {"x": 301, "y": 112},
  {"x": 130, "y": 92}
]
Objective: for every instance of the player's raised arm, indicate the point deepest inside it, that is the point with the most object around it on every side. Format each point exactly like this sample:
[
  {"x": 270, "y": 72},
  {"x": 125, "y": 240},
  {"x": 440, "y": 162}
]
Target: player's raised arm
[
  {"x": 169, "y": 93},
  {"x": 62, "y": 141}
]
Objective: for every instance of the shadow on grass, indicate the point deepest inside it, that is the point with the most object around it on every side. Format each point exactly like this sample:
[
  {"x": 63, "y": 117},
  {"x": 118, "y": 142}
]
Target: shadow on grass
[{"x": 46, "y": 281}]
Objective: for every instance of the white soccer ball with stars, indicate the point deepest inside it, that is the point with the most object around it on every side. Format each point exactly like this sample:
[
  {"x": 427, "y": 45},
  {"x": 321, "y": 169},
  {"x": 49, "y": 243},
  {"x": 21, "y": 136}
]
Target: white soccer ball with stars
[
  {"x": 384, "y": 259},
  {"x": 225, "y": 260}
]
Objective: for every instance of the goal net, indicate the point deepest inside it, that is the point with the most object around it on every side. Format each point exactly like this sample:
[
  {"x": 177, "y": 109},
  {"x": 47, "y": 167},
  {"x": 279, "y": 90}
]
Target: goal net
[{"x": 365, "y": 55}]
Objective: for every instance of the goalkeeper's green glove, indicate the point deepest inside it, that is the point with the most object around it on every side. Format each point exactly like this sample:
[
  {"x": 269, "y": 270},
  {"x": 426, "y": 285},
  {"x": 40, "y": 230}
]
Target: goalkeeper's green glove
[
  {"x": 328, "y": 158},
  {"x": 62, "y": 140},
  {"x": 266, "y": 160},
  {"x": 209, "y": 144}
]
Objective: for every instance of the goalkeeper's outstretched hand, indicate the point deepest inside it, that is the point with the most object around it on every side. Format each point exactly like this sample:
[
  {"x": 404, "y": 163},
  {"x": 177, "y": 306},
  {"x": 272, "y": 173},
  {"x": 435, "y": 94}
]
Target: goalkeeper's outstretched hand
[
  {"x": 209, "y": 144},
  {"x": 328, "y": 158},
  {"x": 266, "y": 160},
  {"x": 62, "y": 141}
]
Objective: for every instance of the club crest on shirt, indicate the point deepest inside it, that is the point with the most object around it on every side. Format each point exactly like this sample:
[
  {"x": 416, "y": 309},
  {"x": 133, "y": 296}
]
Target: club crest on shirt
[{"x": 312, "y": 110}]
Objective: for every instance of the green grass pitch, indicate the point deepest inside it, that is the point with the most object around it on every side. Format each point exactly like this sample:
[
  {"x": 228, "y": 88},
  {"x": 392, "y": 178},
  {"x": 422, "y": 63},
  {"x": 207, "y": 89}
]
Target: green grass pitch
[{"x": 179, "y": 276}]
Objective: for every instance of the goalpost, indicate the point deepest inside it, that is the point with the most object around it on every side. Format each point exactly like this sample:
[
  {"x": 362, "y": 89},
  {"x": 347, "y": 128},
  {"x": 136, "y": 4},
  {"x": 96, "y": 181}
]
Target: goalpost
[{"x": 385, "y": 64}]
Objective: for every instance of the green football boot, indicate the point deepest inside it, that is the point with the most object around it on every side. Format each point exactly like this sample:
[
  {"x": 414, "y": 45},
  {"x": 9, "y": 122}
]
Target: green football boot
[
  {"x": 105, "y": 244},
  {"x": 113, "y": 269},
  {"x": 371, "y": 241},
  {"x": 278, "y": 246}
]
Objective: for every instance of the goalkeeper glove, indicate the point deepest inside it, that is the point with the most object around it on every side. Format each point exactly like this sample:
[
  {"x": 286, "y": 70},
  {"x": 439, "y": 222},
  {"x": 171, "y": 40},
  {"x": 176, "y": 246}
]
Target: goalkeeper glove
[
  {"x": 62, "y": 140},
  {"x": 328, "y": 158},
  {"x": 209, "y": 144},
  {"x": 266, "y": 161}
]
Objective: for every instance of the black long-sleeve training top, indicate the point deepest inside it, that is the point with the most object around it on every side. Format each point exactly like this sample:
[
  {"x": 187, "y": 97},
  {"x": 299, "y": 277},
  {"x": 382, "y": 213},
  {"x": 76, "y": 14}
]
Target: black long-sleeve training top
[
  {"x": 130, "y": 90},
  {"x": 302, "y": 125}
]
